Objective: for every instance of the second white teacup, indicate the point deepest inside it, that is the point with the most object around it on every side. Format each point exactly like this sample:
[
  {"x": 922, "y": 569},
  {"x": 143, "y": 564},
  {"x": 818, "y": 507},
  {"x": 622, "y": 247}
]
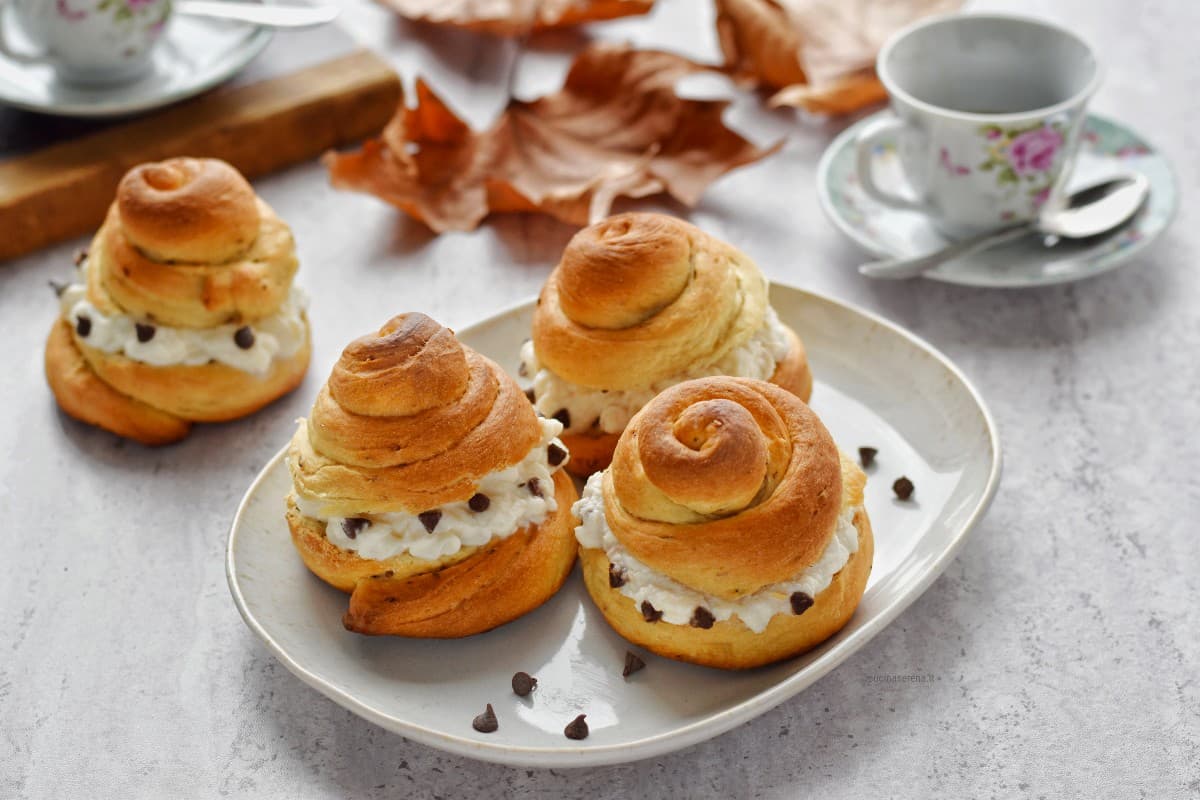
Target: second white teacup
[
  {"x": 85, "y": 41},
  {"x": 988, "y": 111}
]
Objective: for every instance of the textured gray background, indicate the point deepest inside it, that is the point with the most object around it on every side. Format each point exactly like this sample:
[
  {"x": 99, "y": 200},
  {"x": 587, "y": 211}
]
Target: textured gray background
[{"x": 1060, "y": 658}]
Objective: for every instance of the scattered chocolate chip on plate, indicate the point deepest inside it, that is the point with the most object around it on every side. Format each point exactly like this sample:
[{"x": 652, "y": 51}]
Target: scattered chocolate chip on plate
[
  {"x": 523, "y": 683},
  {"x": 633, "y": 663},
  {"x": 903, "y": 488},
  {"x": 577, "y": 728},
  {"x": 486, "y": 722},
  {"x": 866, "y": 456}
]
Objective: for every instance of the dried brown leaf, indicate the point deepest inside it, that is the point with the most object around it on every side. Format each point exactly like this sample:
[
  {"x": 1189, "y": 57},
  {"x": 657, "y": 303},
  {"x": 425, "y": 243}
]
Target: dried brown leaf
[
  {"x": 516, "y": 17},
  {"x": 760, "y": 46},
  {"x": 818, "y": 54},
  {"x": 616, "y": 128},
  {"x": 843, "y": 95}
]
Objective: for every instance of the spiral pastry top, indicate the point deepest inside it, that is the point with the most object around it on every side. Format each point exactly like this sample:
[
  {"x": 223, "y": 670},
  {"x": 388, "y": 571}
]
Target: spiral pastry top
[
  {"x": 410, "y": 419},
  {"x": 727, "y": 486},
  {"x": 640, "y": 297},
  {"x": 426, "y": 487},
  {"x": 729, "y": 530},
  {"x": 189, "y": 244}
]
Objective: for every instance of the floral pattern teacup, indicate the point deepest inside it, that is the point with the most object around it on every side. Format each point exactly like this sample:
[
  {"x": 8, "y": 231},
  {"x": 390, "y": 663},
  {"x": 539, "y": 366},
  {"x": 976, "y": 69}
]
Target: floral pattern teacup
[
  {"x": 987, "y": 115},
  {"x": 85, "y": 41}
]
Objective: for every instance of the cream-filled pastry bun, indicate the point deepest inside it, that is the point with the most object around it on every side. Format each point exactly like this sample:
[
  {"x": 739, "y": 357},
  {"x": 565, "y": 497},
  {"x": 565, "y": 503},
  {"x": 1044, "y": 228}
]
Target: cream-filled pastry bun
[
  {"x": 183, "y": 309},
  {"x": 427, "y": 488},
  {"x": 640, "y": 302},
  {"x": 730, "y": 529}
]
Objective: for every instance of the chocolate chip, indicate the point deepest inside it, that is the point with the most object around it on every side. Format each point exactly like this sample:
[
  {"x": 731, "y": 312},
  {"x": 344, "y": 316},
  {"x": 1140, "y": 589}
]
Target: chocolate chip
[
  {"x": 702, "y": 618},
  {"x": 479, "y": 502},
  {"x": 616, "y": 576},
  {"x": 801, "y": 602},
  {"x": 903, "y": 488},
  {"x": 632, "y": 664},
  {"x": 243, "y": 337},
  {"x": 144, "y": 332},
  {"x": 430, "y": 519},
  {"x": 523, "y": 370},
  {"x": 532, "y": 397},
  {"x": 577, "y": 729},
  {"x": 866, "y": 456},
  {"x": 650, "y": 613},
  {"x": 354, "y": 525},
  {"x": 563, "y": 416},
  {"x": 555, "y": 454},
  {"x": 534, "y": 487},
  {"x": 486, "y": 722},
  {"x": 83, "y": 325},
  {"x": 58, "y": 288},
  {"x": 523, "y": 683},
  {"x": 80, "y": 255}
]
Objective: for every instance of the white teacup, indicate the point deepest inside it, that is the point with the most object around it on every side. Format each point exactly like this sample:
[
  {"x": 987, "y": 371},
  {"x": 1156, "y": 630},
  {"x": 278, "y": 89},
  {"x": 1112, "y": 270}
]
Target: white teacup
[
  {"x": 86, "y": 41},
  {"x": 988, "y": 112}
]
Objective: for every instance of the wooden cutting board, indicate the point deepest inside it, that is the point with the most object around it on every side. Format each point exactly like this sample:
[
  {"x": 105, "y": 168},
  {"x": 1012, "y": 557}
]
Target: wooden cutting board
[{"x": 307, "y": 92}]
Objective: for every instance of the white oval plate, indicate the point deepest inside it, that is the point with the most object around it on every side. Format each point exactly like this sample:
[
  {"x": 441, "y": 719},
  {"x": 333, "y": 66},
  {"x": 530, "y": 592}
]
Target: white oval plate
[{"x": 876, "y": 386}]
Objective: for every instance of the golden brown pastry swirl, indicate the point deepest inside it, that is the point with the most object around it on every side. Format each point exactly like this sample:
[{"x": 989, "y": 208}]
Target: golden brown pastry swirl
[
  {"x": 188, "y": 243},
  {"x": 409, "y": 422},
  {"x": 726, "y": 485},
  {"x": 729, "y": 503},
  {"x": 641, "y": 297},
  {"x": 409, "y": 419}
]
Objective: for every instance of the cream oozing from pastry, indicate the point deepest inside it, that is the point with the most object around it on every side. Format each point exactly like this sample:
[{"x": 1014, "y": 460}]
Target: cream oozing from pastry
[
  {"x": 678, "y": 602},
  {"x": 755, "y": 358},
  {"x": 511, "y": 506},
  {"x": 280, "y": 335}
]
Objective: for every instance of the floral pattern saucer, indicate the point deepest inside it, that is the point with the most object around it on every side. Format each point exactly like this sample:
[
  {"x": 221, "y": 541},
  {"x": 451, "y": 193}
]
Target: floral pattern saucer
[{"x": 1107, "y": 148}]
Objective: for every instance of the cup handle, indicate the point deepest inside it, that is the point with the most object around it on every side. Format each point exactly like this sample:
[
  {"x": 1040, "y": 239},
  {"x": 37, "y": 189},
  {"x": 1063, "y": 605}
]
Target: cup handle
[
  {"x": 22, "y": 57},
  {"x": 874, "y": 134}
]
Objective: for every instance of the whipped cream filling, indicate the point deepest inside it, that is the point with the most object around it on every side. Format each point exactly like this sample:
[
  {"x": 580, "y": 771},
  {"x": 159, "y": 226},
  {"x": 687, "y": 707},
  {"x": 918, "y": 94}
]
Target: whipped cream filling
[
  {"x": 678, "y": 602},
  {"x": 517, "y": 496},
  {"x": 250, "y": 348},
  {"x": 756, "y": 358}
]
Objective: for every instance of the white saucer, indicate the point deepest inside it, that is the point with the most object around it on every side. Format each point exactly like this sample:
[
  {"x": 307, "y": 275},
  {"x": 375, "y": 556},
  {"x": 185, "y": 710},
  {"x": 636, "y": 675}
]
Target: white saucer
[
  {"x": 195, "y": 54},
  {"x": 1108, "y": 148},
  {"x": 877, "y": 386}
]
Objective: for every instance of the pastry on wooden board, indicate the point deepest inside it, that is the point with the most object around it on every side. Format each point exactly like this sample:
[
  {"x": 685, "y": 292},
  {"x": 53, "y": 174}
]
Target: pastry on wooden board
[{"x": 183, "y": 309}]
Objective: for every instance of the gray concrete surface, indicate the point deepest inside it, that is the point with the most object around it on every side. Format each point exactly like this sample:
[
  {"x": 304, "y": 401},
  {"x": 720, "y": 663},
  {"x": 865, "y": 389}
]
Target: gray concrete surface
[{"x": 1060, "y": 658}]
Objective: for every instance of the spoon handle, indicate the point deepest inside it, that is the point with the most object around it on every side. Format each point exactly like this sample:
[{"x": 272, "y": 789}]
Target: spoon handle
[
  {"x": 901, "y": 268},
  {"x": 273, "y": 16}
]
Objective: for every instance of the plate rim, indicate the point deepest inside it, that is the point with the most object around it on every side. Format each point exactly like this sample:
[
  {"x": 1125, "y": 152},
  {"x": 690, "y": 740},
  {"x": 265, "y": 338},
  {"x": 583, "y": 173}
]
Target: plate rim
[
  {"x": 256, "y": 39},
  {"x": 1114, "y": 260},
  {"x": 694, "y": 732}
]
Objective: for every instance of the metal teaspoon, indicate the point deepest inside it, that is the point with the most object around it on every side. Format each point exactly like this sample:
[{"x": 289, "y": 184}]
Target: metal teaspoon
[{"x": 1091, "y": 211}]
